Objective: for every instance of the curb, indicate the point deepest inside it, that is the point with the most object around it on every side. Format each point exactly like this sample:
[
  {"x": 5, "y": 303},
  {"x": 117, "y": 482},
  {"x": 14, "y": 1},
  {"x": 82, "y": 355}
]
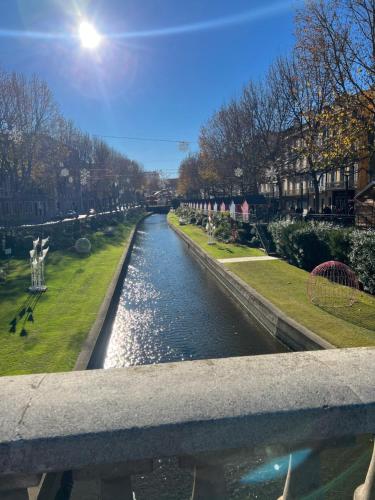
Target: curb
[{"x": 272, "y": 319}]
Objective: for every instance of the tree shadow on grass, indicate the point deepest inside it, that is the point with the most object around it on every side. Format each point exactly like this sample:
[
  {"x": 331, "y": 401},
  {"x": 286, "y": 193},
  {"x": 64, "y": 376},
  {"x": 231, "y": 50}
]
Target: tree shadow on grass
[
  {"x": 361, "y": 313},
  {"x": 225, "y": 249}
]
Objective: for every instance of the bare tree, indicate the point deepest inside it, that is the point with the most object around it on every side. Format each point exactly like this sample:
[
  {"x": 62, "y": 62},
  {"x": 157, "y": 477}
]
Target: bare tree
[
  {"x": 342, "y": 33},
  {"x": 273, "y": 120},
  {"x": 43, "y": 157},
  {"x": 306, "y": 88}
]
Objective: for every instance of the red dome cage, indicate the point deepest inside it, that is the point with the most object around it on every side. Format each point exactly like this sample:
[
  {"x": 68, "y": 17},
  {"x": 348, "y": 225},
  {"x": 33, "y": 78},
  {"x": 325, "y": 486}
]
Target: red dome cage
[{"x": 332, "y": 284}]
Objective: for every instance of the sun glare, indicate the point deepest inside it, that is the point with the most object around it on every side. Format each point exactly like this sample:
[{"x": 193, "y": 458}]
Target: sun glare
[{"x": 90, "y": 38}]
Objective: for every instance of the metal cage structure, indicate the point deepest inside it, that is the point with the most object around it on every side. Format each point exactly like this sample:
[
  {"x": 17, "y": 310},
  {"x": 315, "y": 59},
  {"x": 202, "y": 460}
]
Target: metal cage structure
[{"x": 333, "y": 284}]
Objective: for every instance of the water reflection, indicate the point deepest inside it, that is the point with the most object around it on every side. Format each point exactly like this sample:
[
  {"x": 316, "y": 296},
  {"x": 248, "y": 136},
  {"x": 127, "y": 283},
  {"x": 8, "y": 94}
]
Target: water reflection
[{"x": 172, "y": 310}]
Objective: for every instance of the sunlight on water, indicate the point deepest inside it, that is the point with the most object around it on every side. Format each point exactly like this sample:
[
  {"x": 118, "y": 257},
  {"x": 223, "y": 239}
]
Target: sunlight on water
[{"x": 171, "y": 310}]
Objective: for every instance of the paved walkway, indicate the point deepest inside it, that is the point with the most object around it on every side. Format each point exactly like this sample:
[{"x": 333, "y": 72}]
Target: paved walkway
[{"x": 246, "y": 259}]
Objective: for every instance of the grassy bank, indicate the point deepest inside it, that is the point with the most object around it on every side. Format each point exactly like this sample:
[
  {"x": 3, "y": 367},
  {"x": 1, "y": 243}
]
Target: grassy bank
[
  {"x": 285, "y": 286},
  {"x": 218, "y": 250},
  {"x": 64, "y": 314}
]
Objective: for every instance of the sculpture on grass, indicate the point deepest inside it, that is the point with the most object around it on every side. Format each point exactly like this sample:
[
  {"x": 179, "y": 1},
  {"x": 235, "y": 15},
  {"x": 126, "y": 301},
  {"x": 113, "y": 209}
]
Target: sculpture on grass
[
  {"x": 83, "y": 246},
  {"x": 37, "y": 257},
  {"x": 333, "y": 284},
  {"x": 210, "y": 228}
]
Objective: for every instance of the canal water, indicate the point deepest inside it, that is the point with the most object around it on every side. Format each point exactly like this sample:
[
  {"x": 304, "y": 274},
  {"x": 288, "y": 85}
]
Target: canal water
[{"x": 171, "y": 309}]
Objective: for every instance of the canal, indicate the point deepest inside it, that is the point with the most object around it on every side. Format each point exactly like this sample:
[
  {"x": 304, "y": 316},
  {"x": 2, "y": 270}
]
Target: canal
[{"x": 171, "y": 309}]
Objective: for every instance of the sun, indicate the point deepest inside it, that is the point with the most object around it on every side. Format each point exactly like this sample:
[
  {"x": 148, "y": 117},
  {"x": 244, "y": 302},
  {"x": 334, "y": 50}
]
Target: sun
[{"x": 90, "y": 38}]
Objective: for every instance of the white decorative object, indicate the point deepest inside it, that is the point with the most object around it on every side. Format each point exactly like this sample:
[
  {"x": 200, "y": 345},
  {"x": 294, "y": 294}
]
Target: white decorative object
[
  {"x": 83, "y": 246},
  {"x": 85, "y": 176},
  {"x": 238, "y": 172},
  {"x": 37, "y": 257},
  {"x": 210, "y": 228},
  {"x": 215, "y": 207},
  {"x": 232, "y": 210},
  {"x": 183, "y": 146}
]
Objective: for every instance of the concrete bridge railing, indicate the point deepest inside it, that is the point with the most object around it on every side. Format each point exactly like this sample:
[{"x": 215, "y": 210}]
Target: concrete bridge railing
[{"x": 112, "y": 423}]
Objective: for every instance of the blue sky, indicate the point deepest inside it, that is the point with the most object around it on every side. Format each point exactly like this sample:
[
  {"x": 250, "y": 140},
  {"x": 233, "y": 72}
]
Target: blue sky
[{"x": 145, "y": 80}]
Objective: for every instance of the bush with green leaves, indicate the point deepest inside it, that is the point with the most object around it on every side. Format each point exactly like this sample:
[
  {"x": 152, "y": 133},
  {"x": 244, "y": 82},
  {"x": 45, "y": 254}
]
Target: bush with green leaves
[
  {"x": 223, "y": 231},
  {"x": 302, "y": 244},
  {"x": 362, "y": 257},
  {"x": 62, "y": 234},
  {"x": 339, "y": 240},
  {"x": 254, "y": 242},
  {"x": 198, "y": 219},
  {"x": 277, "y": 230},
  {"x": 307, "y": 244}
]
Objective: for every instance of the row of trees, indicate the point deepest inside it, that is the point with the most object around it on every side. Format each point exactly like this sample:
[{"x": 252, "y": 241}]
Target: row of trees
[
  {"x": 44, "y": 155},
  {"x": 312, "y": 112}
]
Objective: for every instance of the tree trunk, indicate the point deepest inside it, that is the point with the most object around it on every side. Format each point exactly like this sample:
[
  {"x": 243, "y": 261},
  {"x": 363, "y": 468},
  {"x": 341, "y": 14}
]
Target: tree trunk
[
  {"x": 317, "y": 193},
  {"x": 281, "y": 194}
]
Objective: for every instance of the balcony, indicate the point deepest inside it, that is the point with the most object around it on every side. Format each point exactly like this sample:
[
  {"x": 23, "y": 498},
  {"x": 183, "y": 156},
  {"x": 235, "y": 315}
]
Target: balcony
[
  {"x": 340, "y": 185},
  {"x": 108, "y": 425}
]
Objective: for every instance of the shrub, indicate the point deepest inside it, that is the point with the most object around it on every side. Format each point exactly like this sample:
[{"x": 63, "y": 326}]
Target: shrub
[
  {"x": 254, "y": 242},
  {"x": 362, "y": 257},
  {"x": 309, "y": 249},
  {"x": 198, "y": 219},
  {"x": 340, "y": 243},
  {"x": 277, "y": 231},
  {"x": 302, "y": 244},
  {"x": 223, "y": 231}
]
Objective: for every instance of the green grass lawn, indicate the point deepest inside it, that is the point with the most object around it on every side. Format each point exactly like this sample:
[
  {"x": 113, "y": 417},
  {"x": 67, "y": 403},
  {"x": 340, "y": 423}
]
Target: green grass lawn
[
  {"x": 64, "y": 314},
  {"x": 218, "y": 250},
  {"x": 285, "y": 286}
]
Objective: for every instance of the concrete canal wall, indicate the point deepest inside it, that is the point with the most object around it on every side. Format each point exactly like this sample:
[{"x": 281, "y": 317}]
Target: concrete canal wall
[
  {"x": 95, "y": 345},
  {"x": 275, "y": 322}
]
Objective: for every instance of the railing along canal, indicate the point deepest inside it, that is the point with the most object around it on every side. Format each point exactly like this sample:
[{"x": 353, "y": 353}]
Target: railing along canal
[{"x": 111, "y": 424}]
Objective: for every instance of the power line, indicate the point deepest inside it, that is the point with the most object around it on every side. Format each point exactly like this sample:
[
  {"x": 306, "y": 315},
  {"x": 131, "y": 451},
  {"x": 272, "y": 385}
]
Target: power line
[{"x": 147, "y": 139}]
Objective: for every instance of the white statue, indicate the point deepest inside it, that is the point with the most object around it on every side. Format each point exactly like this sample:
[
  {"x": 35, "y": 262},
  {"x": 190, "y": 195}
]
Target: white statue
[
  {"x": 37, "y": 256},
  {"x": 210, "y": 228}
]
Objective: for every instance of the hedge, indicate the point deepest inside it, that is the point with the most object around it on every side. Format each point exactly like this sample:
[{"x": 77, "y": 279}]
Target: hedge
[
  {"x": 307, "y": 244},
  {"x": 63, "y": 235}
]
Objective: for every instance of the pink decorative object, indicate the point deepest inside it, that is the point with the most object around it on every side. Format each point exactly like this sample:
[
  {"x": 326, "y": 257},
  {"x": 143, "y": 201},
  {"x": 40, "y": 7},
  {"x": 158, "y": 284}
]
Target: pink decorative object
[
  {"x": 222, "y": 207},
  {"x": 333, "y": 284},
  {"x": 245, "y": 211}
]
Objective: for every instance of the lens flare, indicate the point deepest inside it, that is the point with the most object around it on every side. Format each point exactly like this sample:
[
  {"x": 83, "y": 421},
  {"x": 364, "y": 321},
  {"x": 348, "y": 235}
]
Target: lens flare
[{"x": 90, "y": 38}]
